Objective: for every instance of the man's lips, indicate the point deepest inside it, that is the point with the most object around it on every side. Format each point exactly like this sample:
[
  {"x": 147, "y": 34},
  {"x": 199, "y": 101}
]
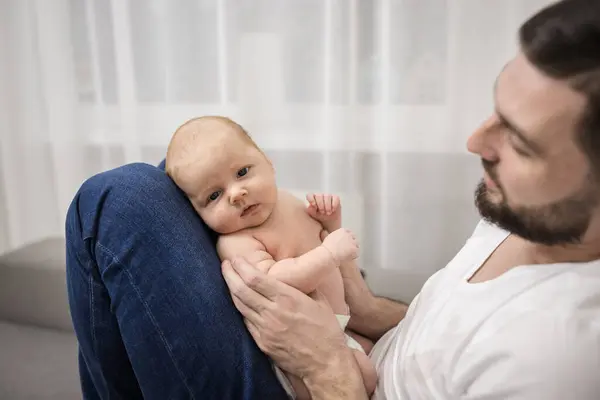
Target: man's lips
[
  {"x": 489, "y": 182},
  {"x": 489, "y": 177}
]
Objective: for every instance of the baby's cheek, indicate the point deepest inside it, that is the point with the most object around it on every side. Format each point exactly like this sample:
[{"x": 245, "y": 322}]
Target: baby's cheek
[
  {"x": 220, "y": 219},
  {"x": 210, "y": 219}
]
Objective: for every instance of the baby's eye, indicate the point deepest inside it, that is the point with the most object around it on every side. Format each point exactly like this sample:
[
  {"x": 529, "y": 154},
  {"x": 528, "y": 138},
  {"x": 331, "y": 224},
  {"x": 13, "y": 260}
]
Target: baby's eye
[
  {"x": 243, "y": 171},
  {"x": 214, "y": 195}
]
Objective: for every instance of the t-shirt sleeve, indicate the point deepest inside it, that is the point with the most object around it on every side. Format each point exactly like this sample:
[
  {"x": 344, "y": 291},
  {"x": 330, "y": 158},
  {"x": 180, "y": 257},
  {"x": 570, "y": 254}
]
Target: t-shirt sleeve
[{"x": 536, "y": 356}]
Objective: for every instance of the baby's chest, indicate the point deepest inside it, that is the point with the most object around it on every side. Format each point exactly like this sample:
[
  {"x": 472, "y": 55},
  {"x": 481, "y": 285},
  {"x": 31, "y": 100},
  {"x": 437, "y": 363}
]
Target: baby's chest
[{"x": 293, "y": 235}]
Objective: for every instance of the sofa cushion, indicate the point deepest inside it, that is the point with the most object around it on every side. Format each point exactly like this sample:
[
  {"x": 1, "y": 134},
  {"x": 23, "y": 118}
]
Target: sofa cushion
[{"x": 32, "y": 285}]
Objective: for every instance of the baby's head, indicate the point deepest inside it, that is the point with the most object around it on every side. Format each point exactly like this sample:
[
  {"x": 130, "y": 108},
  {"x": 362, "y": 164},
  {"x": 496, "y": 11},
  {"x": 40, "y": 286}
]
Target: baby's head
[{"x": 228, "y": 179}]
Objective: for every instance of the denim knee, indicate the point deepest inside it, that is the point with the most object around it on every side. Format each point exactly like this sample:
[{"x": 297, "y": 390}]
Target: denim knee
[{"x": 136, "y": 191}]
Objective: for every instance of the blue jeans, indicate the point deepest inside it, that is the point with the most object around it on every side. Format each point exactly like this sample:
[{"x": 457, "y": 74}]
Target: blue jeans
[{"x": 151, "y": 312}]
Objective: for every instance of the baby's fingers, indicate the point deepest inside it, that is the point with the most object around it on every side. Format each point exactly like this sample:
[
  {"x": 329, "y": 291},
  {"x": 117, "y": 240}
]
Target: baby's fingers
[
  {"x": 320, "y": 203},
  {"x": 335, "y": 203},
  {"x": 328, "y": 200}
]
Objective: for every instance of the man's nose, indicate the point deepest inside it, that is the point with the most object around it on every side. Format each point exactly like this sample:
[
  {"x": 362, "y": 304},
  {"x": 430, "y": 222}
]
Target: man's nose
[
  {"x": 482, "y": 141},
  {"x": 237, "y": 194}
]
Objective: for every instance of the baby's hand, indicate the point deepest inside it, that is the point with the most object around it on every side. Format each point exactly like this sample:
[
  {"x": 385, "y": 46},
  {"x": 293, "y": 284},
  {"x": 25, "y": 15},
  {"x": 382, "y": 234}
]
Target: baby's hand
[
  {"x": 326, "y": 209},
  {"x": 342, "y": 244}
]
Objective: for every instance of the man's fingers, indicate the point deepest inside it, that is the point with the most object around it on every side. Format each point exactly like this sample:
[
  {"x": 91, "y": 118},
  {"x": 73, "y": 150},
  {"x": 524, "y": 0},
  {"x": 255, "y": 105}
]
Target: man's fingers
[
  {"x": 257, "y": 281},
  {"x": 240, "y": 289},
  {"x": 248, "y": 313},
  {"x": 254, "y": 331}
]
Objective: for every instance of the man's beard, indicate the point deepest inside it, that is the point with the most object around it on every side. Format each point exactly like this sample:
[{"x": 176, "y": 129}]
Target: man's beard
[{"x": 559, "y": 223}]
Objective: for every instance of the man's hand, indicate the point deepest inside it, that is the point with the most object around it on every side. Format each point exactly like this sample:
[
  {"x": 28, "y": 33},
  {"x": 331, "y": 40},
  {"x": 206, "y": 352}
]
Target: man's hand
[
  {"x": 299, "y": 333},
  {"x": 325, "y": 208}
]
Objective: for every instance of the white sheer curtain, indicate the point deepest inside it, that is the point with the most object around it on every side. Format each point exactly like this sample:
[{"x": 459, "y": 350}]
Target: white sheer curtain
[{"x": 370, "y": 99}]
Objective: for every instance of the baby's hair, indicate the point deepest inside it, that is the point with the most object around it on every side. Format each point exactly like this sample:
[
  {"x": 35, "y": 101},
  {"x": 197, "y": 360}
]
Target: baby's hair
[{"x": 187, "y": 136}]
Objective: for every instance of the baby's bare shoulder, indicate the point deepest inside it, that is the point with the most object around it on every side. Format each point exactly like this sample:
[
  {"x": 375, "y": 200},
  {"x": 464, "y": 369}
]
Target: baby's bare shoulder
[
  {"x": 288, "y": 199},
  {"x": 243, "y": 238}
]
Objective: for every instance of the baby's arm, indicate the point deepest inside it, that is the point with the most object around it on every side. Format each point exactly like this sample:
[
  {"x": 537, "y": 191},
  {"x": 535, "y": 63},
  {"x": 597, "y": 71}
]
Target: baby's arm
[{"x": 304, "y": 272}]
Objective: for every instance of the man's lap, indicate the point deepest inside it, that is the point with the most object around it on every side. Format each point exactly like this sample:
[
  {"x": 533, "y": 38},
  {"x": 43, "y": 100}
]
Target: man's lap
[{"x": 148, "y": 299}]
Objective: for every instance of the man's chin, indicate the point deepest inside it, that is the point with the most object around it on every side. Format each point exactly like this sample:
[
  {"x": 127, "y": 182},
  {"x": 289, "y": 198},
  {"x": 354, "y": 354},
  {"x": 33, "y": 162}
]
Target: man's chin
[
  {"x": 490, "y": 204},
  {"x": 494, "y": 197}
]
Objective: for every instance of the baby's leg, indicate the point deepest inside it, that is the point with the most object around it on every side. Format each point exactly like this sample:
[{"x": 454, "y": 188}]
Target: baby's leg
[
  {"x": 365, "y": 343},
  {"x": 367, "y": 369}
]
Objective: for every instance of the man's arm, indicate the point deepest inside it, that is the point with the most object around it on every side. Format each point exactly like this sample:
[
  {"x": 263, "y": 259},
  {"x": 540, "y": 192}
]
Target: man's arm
[
  {"x": 341, "y": 380},
  {"x": 385, "y": 314},
  {"x": 371, "y": 316},
  {"x": 303, "y": 273}
]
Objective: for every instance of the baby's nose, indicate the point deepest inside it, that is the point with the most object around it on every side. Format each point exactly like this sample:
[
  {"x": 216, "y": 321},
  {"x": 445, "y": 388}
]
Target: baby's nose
[{"x": 237, "y": 195}]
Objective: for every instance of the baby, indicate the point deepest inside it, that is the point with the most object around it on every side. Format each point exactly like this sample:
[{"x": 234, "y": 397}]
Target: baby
[{"x": 231, "y": 184}]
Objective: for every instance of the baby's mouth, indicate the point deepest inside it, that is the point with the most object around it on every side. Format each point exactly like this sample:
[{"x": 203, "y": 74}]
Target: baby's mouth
[{"x": 248, "y": 210}]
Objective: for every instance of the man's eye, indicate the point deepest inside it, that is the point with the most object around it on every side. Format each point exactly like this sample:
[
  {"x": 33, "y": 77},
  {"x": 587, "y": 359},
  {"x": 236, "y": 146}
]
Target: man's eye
[
  {"x": 214, "y": 196},
  {"x": 521, "y": 152},
  {"x": 243, "y": 171},
  {"x": 518, "y": 147}
]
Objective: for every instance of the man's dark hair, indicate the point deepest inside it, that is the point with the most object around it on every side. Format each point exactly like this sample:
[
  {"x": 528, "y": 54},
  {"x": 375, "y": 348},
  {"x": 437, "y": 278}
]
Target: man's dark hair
[{"x": 563, "y": 41}]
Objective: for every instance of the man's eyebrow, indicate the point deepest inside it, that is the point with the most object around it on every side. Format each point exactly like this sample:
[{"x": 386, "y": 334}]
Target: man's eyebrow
[{"x": 533, "y": 146}]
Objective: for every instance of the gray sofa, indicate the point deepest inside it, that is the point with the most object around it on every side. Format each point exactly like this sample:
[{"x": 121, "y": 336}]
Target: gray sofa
[
  {"x": 37, "y": 344},
  {"x": 38, "y": 349}
]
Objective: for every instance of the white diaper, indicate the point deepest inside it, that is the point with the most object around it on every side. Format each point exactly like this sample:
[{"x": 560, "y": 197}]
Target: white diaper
[{"x": 353, "y": 344}]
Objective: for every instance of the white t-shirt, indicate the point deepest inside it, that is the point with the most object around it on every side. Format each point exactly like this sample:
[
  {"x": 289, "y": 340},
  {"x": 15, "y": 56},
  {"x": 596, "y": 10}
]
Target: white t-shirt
[{"x": 533, "y": 333}]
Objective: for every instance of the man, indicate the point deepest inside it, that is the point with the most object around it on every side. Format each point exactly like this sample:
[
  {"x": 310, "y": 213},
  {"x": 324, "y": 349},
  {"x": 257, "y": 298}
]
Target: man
[{"x": 516, "y": 314}]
